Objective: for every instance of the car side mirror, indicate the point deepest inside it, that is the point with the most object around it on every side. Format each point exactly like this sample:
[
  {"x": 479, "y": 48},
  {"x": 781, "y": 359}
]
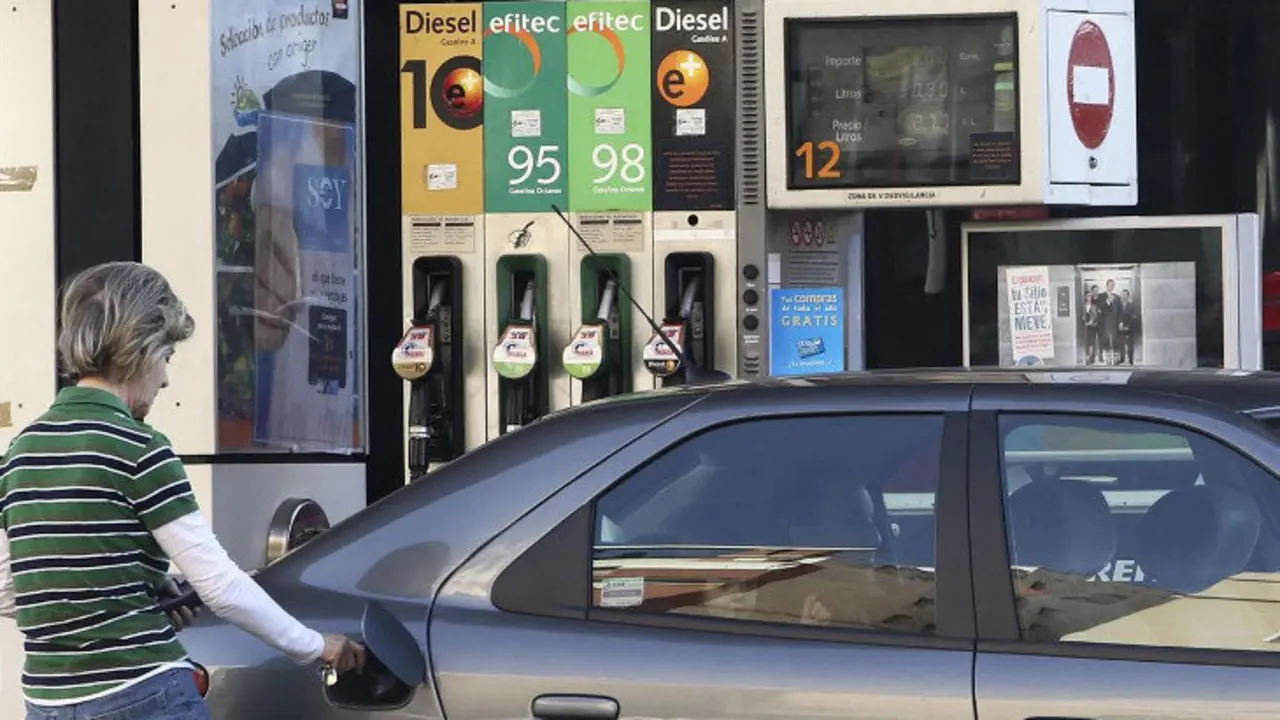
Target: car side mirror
[{"x": 394, "y": 666}]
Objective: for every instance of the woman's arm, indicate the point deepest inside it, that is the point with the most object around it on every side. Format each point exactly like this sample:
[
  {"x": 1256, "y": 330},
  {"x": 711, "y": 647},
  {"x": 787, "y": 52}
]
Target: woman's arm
[
  {"x": 230, "y": 593},
  {"x": 161, "y": 496},
  {"x": 8, "y": 598}
]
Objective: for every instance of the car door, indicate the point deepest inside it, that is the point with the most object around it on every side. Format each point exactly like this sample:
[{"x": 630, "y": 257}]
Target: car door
[
  {"x": 1132, "y": 567},
  {"x": 789, "y": 559}
]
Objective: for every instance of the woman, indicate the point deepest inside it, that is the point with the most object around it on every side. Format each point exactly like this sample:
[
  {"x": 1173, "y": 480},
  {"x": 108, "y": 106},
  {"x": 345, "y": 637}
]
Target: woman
[{"x": 93, "y": 505}]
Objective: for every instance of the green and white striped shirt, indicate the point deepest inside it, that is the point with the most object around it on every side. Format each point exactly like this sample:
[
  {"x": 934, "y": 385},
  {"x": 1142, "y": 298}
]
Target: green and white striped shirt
[{"x": 81, "y": 491}]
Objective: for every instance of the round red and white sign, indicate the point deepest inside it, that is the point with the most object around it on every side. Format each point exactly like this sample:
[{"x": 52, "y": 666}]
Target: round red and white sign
[{"x": 1091, "y": 84}]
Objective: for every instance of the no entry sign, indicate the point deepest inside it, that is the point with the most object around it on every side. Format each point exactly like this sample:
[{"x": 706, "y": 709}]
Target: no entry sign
[{"x": 1091, "y": 84}]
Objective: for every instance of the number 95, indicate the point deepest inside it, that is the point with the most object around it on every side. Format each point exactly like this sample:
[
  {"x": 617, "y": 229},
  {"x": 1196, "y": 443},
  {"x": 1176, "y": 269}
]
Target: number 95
[{"x": 521, "y": 160}]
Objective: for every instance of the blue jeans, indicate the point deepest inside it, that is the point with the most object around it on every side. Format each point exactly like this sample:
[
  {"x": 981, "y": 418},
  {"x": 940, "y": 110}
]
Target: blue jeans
[{"x": 171, "y": 695}]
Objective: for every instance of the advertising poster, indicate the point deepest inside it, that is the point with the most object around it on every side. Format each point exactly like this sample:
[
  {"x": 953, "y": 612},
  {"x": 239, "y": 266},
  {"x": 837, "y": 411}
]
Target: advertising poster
[
  {"x": 441, "y": 109},
  {"x": 610, "y": 156},
  {"x": 1130, "y": 314},
  {"x": 288, "y": 66},
  {"x": 806, "y": 331},
  {"x": 525, "y": 107},
  {"x": 305, "y": 375},
  {"x": 694, "y": 104},
  {"x": 1030, "y": 314}
]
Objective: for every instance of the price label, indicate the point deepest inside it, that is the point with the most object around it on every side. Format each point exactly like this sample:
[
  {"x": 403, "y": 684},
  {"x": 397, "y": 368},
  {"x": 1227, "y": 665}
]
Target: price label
[
  {"x": 526, "y": 106},
  {"x": 610, "y": 106},
  {"x": 583, "y": 357},
  {"x": 414, "y": 354},
  {"x": 516, "y": 353}
]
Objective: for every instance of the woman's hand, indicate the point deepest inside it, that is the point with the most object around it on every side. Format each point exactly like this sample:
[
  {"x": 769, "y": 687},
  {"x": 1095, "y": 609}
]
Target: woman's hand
[
  {"x": 342, "y": 654},
  {"x": 183, "y": 617}
]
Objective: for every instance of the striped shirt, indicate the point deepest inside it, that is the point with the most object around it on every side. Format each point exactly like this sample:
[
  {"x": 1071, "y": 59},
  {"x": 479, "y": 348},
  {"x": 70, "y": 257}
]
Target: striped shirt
[{"x": 81, "y": 489}]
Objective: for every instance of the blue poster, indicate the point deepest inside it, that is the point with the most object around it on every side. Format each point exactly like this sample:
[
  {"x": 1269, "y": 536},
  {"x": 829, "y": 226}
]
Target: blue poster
[
  {"x": 806, "y": 331},
  {"x": 305, "y": 284}
]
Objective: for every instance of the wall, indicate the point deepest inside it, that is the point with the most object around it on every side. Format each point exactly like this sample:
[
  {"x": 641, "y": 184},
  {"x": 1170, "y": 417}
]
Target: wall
[{"x": 27, "y": 238}]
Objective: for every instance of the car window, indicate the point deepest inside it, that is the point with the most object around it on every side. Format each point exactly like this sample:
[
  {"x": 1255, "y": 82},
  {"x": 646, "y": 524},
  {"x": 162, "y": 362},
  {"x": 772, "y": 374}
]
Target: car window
[
  {"x": 1130, "y": 532},
  {"x": 816, "y": 520}
]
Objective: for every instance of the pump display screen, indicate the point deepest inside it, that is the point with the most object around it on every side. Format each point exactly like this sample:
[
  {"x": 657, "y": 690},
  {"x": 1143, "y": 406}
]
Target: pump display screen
[{"x": 902, "y": 102}]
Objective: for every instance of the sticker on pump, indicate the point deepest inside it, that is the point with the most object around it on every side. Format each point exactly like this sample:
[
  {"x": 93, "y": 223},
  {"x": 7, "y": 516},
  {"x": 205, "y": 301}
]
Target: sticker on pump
[
  {"x": 583, "y": 357},
  {"x": 658, "y": 356},
  {"x": 413, "y": 355},
  {"x": 515, "y": 355}
]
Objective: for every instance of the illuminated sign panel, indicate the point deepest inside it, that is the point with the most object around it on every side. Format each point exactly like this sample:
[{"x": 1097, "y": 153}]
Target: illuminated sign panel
[
  {"x": 902, "y": 103},
  {"x": 914, "y": 103}
]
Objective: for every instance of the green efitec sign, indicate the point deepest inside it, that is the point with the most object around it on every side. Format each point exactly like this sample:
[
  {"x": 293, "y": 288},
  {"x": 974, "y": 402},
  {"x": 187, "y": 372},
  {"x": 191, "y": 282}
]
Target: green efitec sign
[
  {"x": 525, "y": 106},
  {"x": 610, "y": 163}
]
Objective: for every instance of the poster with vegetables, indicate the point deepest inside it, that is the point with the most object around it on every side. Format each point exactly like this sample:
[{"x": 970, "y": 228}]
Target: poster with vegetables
[{"x": 293, "y": 66}]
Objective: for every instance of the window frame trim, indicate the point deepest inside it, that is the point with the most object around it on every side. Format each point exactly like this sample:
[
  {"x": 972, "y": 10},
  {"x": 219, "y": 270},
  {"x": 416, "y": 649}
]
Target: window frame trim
[
  {"x": 998, "y": 629},
  {"x": 954, "y": 624}
]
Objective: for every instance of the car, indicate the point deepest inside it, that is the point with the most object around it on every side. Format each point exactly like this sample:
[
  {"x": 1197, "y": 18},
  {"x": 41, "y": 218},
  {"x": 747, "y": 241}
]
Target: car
[{"x": 995, "y": 544}]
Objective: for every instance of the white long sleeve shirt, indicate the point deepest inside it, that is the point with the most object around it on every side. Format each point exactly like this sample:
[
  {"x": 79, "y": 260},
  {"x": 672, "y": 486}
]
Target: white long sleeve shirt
[{"x": 223, "y": 587}]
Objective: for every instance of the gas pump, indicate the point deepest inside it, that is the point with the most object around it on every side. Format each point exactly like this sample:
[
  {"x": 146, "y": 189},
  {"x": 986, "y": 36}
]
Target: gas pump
[
  {"x": 667, "y": 338},
  {"x": 598, "y": 352},
  {"x": 443, "y": 236},
  {"x": 688, "y": 320},
  {"x": 518, "y": 357},
  {"x": 696, "y": 124},
  {"x": 429, "y": 357}
]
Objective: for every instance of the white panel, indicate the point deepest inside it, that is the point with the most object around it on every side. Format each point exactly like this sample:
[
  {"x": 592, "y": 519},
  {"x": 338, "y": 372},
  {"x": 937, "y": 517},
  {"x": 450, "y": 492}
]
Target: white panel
[
  {"x": 27, "y": 307},
  {"x": 27, "y": 240},
  {"x": 1249, "y": 238},
  {"x": 245, "y": 497},
  {"x": 177, "y": 203},
  {"x": 1115, "y": 162}
]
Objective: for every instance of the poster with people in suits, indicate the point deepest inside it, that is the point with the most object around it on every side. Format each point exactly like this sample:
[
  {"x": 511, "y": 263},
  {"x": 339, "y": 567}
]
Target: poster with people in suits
[{"x": 1113, "y": 314}]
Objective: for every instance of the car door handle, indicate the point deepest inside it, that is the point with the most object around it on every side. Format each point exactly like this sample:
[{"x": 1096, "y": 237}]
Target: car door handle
[{"x": 574, "y": 707}]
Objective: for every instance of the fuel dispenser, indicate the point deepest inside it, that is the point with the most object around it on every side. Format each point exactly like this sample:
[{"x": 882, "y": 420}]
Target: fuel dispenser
[
  {"x": 696, "y": 123},
  {"x": 600, "y": 349},
  {"x": 608, "y": 248},
  {"x": 688, "y": 296},
  {"x": 442, "y": 175},
  {"x": 520, "y": 356},
  {"x": 429, "y": 356}
]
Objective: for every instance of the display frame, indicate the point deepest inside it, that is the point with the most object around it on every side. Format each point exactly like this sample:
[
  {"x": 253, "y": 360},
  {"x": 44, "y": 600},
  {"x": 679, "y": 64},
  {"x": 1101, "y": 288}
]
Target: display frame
[
  {"x": 1032, "y": 136},
  {"x": 1241, "y": 262},
  {"x": 942, "y": 27}
]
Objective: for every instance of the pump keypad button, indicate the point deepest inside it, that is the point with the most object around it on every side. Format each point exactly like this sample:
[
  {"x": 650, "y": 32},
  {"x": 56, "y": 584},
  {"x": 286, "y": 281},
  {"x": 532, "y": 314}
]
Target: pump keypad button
[
  {"x": 751, "y": 297},
  {"x": 751, "y": 322}
]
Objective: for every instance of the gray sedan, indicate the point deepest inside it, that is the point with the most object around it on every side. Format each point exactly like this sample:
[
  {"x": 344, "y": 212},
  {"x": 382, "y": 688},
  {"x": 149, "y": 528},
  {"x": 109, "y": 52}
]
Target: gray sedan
[{"x": 941, "y": 544}]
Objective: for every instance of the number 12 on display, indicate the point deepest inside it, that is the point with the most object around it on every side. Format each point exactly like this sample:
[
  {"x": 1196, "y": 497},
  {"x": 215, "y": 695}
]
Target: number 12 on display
[{"x": 524, "y": 161}]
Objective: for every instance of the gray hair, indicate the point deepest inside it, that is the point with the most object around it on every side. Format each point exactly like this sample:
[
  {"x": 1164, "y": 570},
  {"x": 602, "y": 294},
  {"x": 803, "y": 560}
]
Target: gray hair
[{"x": 117, "y": 319}]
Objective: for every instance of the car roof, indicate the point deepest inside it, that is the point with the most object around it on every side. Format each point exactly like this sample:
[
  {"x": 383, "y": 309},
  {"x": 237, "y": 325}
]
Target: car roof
[{"x": 1253, "y": 392}]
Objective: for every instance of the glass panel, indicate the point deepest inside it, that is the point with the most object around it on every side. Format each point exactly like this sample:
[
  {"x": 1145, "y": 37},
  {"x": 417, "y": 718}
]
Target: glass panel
[
  {"x": 897, "y": 103},
  {"x": 1109, "y": 297},
  {"x": 287, "y": 221},
  {"x": 838, "y": 531},
  {"x": 1129, "y": 532}
]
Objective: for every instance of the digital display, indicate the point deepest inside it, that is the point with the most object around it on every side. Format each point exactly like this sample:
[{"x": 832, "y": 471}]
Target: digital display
[{"x": 902, "y": 102}]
